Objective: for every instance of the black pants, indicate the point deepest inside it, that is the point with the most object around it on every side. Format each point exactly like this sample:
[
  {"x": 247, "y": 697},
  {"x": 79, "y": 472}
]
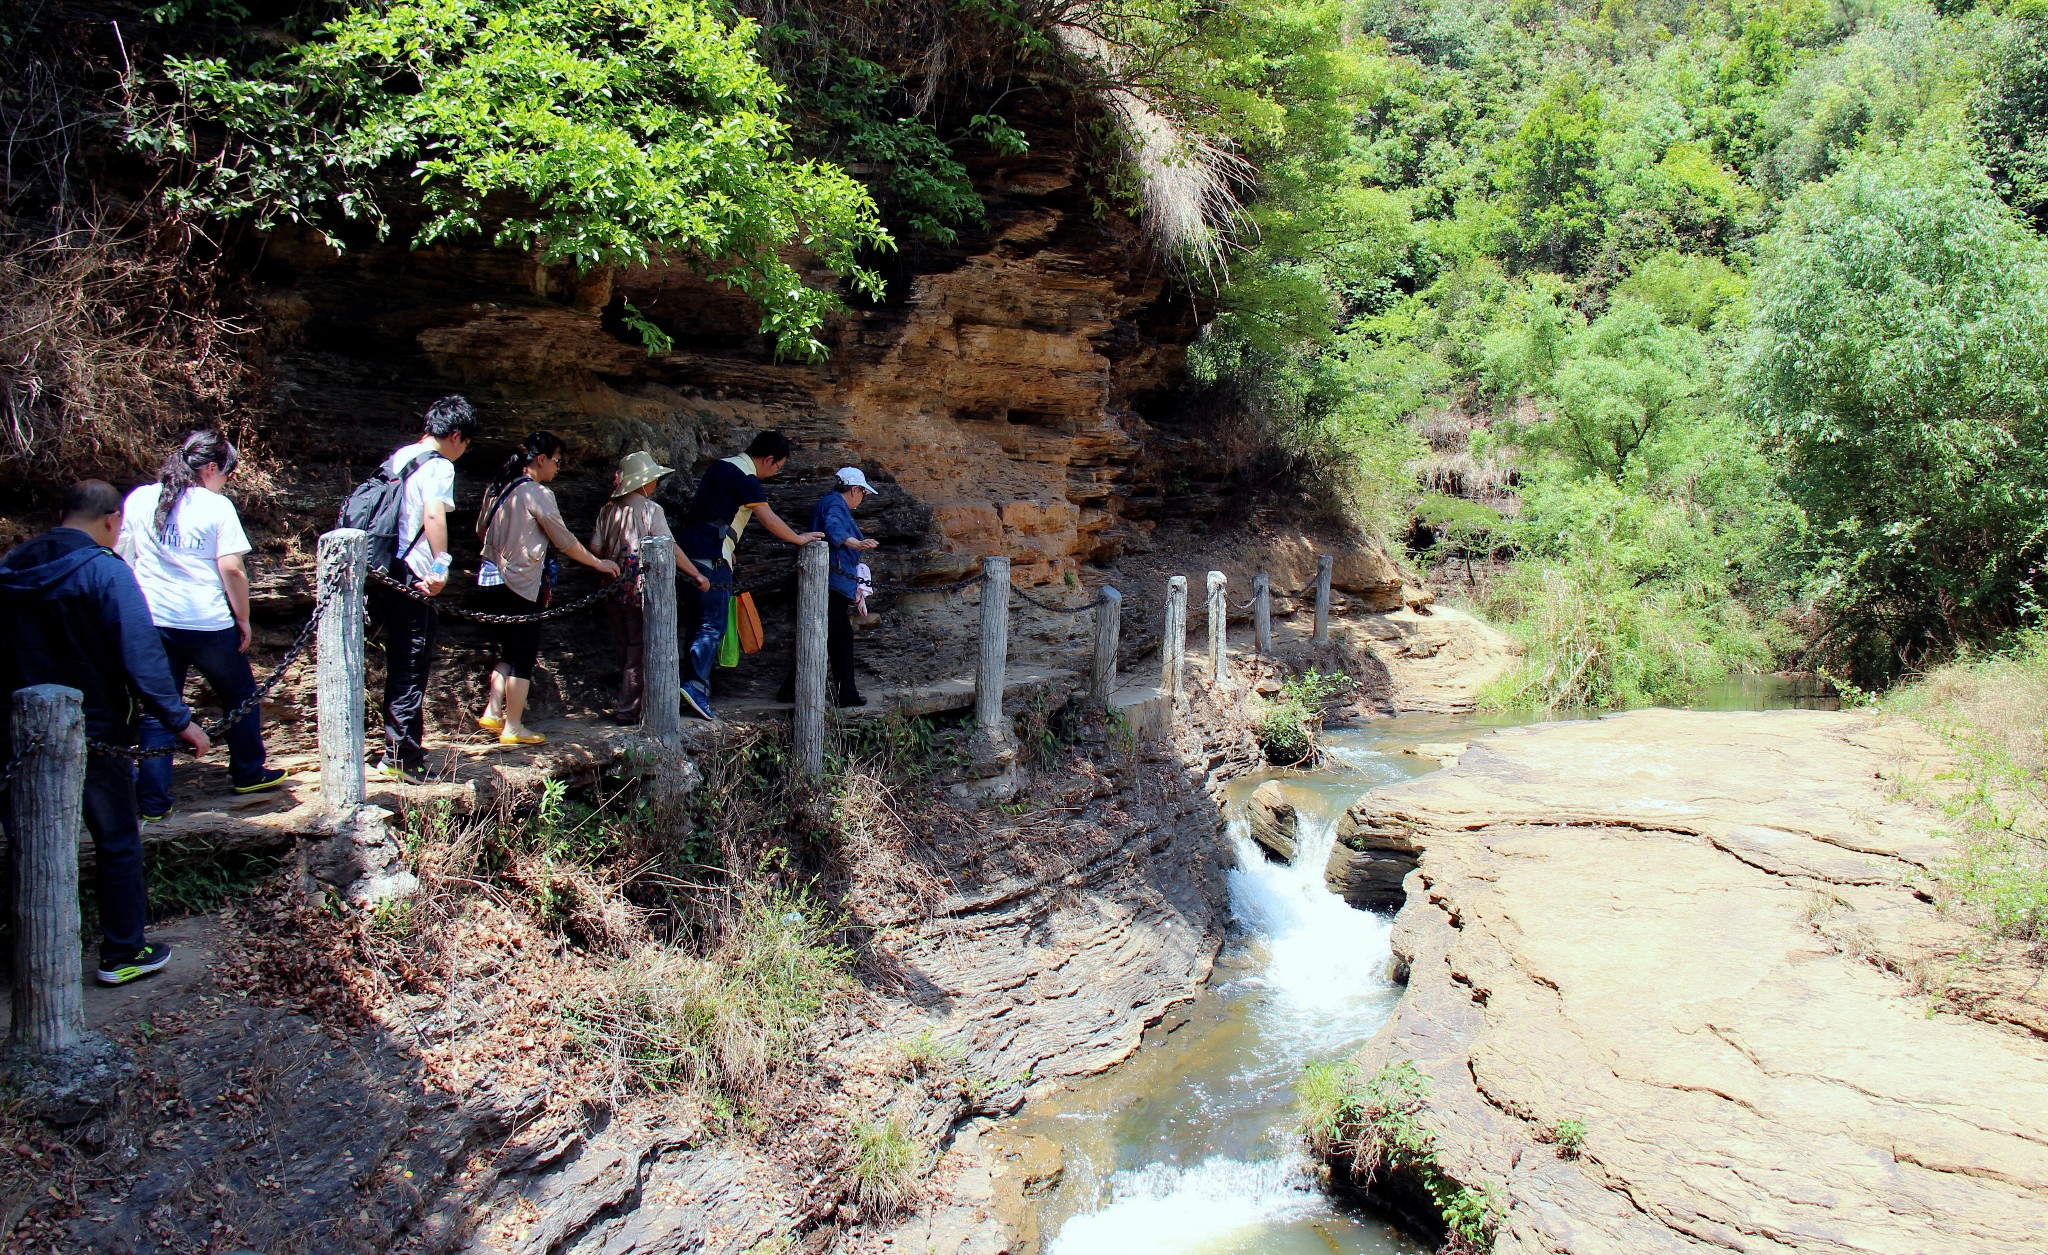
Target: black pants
[
  {"x": 409, "y": 629},
  {"x": 838, "y": 653},
  {"x": 839, "y": 646},
  {"x": 518, "y": 643},
  {"x": 218, "y": 656}
]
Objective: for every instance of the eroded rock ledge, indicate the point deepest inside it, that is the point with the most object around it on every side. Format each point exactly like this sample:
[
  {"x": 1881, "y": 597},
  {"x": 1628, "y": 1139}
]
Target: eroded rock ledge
[{"x": 1694, "y": 933}]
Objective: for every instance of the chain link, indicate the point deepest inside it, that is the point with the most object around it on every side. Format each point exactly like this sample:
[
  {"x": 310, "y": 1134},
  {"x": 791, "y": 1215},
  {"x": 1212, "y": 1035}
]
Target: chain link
[
  {"x": 790, "y": 572},
  {"x": 956, "y": 586},
  {"x": 13, "y": 764},
  {"x": 255, "y": 697},
  {"x": 1055, "y": 608},
  {"x": 479, "y": 616},
  {"x": 766, "y": 581}
]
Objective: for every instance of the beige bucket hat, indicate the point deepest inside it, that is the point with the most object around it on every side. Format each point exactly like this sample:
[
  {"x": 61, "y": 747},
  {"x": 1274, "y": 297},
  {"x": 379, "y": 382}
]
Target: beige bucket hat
[{"x": 637, "y": 470}]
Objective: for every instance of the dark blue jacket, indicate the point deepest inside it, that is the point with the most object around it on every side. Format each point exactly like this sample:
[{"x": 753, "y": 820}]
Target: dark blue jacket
[
  {"x": 71, "y": 613},
  {"x": 834, "y": 517}
]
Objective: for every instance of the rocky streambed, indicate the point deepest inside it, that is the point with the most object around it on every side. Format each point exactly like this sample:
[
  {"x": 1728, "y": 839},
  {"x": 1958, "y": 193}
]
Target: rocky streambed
[{"x": 1709, "y": 940}]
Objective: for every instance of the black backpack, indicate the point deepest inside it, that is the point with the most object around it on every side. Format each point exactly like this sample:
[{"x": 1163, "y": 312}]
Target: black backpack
[{"x": 374, "y": 505}]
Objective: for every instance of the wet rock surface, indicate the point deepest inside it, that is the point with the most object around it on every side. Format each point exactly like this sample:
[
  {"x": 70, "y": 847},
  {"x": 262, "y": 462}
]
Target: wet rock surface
[{"x": 1704, "y": 936}]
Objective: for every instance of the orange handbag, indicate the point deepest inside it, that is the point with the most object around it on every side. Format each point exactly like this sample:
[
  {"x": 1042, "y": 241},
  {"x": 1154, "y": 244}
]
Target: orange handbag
[{"x": 749, "y": 621}]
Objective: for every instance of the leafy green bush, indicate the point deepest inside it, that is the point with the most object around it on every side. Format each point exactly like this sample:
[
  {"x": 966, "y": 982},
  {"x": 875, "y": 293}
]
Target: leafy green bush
[
  {"x": 2012, "y": 113},
  {"x": 595, "y": 132},
  {"x": 1899, "y": 357},
  {"x": 1628, "y": 595},
  {"x": 1373, "y": 1124},
  {"x": 1293, "y": 718}
]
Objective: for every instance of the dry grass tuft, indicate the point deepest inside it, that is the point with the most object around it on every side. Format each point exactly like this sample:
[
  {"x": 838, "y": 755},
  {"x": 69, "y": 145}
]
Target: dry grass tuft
[
  {"x": 732, "y": 1019},
  {"x": 1995, "y": 700},
  {"x": 1188, "y": 183},
  {"x": 884, "y": 1162},
  {"x": 112, "y": 344},
  {"x": 1989, "y": 708}
]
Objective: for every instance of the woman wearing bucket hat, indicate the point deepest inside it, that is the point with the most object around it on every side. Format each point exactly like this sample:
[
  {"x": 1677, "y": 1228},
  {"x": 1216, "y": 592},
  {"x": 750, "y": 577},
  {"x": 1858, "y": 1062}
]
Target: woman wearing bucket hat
[{"x": 629, "y": 517}]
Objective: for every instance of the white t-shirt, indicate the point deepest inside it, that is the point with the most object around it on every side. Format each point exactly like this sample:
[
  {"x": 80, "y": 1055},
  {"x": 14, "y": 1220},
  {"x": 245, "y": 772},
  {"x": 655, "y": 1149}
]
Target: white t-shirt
[
  {"x": 176, "y": 569},
  {"x": 433, "y": 482}
]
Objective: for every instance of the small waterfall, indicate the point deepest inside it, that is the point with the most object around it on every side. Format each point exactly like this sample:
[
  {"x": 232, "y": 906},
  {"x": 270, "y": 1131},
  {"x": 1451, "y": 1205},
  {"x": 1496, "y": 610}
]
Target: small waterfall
[
  {"x": 1326, "y": 960},
  {"x": 1168, "y": 1208},
  {"x": 1319, "y": 989}
]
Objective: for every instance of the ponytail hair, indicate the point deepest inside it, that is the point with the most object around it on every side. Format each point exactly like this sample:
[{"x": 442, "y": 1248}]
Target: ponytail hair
[
  {"x": 537, "y": 444},
  {"x": 181, "y": 471}
]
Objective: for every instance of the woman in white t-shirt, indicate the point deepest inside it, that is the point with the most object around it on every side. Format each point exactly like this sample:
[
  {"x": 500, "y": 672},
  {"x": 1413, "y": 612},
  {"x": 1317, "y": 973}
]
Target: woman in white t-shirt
[{"x": 186, "y": 544}]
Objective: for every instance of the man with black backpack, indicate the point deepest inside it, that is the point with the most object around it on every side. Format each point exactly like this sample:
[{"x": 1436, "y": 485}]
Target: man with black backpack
[{"x": 404, "y": 508}]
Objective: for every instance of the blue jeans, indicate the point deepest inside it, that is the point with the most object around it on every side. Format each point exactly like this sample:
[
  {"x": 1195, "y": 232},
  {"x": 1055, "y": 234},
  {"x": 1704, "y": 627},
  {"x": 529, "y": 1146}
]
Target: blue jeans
[
  {"x": 218, "y": 657},
  {"x": 707, "y": 624}
]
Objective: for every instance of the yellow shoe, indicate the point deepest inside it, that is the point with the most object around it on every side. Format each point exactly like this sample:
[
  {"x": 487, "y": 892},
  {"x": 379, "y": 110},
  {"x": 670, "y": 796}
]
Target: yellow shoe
[
  {"x": 531, "y": 738},
  {"x": 489, "y": 724}
]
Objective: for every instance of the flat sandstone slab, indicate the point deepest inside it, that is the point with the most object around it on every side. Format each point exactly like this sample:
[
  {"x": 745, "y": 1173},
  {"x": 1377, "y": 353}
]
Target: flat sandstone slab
[{"x": 1625, "y": 922}]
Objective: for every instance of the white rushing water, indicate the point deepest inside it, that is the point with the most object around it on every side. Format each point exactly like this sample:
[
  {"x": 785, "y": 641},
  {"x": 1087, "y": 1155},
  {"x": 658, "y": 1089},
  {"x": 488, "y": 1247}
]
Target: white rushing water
[
  {"x": 1314, "y": 978},
  {"x": 1188, "y": 1148}
]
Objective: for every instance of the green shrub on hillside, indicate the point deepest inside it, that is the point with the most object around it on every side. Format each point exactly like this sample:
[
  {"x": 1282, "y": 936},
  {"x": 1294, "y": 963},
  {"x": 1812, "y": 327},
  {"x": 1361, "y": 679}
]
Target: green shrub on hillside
[
  {"x": 2012, "y": 113},
  {"x": 1898, "y": 355},
  {"x": 1621, "y": 598},
  {"x": 1373, "y": 1123}
]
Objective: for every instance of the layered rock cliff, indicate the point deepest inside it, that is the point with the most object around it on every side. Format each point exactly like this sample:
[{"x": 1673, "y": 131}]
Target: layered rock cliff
[{"x": 1003, "y": 388}]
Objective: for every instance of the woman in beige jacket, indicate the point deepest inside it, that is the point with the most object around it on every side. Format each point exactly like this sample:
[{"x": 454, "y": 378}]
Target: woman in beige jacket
[{"x": 517, "y": 524}]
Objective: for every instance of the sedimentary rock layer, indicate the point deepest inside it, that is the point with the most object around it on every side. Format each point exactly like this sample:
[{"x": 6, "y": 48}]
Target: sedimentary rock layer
[{"x": 1638, "y": 923}]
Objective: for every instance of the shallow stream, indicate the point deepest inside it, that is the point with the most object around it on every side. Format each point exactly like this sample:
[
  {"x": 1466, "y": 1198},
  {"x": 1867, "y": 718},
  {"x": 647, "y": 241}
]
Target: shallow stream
[{"x": 1187, "y": 1148}]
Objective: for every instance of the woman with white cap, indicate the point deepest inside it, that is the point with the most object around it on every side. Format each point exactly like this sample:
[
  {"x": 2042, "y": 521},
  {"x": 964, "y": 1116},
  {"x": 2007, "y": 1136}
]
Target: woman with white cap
[
  {"x": 833, "y": 515},
  {"x": 631, "y": 516}
]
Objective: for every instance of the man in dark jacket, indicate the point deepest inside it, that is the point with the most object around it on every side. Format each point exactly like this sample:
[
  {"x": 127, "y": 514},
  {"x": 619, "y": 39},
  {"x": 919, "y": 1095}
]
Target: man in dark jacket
[{"x": 71, "y": 613}]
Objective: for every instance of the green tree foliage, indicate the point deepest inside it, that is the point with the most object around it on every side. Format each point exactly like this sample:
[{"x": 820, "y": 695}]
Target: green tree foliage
[
  {"x": 1554, "y": 215},
  {"x": 1551, "y": 167},
  {"x": 595, "y": 132},
  {"x": 1624, "y": 384},
  {"x": 1899, "y": 354},
  {"x": 2012, "y": 114}
]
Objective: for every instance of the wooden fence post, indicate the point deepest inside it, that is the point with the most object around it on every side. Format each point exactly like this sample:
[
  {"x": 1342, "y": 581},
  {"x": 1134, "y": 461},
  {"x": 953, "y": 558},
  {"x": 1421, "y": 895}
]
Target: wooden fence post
[
  {"x": 1219, "y": 629},
  {"x": 813, "y": 582},
  {"x": 661, "y": 661},
  {"x": 1323, "y": 564},
  {"x": 338, "y": 717},
  {"x": 1109, "y": 615},
  {"x": 1173, "y": 646},
  {"x": 1262, "y": 613},
  {"x": 47, "y": 796},
  {"x": 995, "y": 648}
]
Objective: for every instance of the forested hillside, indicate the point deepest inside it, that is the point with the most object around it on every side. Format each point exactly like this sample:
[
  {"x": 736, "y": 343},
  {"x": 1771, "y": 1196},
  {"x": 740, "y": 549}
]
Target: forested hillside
[{"x": 1723, "y": 322}]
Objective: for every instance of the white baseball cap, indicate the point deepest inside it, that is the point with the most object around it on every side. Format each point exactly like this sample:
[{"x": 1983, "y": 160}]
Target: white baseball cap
[{"x": 851, "y": 477}]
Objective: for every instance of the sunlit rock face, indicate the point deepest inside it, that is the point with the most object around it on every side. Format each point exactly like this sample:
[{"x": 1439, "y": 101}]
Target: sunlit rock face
[
  {"x": 1696, "y": 935},
  {"x": 1013, "y": 389}
]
